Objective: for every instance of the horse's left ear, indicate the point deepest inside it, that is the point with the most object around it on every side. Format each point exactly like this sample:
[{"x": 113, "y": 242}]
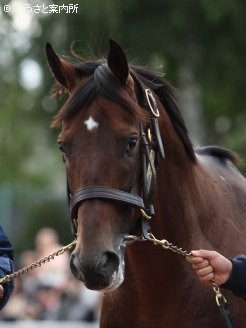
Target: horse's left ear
[
  {"x": 117, "y": 61},
  {"x": 63, "y": 71}
]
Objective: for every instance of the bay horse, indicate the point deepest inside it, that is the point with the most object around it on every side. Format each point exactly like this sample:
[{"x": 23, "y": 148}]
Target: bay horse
[{"x": 129, "y": 160}]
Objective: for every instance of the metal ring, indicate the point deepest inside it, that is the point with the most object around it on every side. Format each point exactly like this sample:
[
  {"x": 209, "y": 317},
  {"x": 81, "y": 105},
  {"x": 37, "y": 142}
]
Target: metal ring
[
  {"x": 220, "y": 299},
  {"x": 144, "y": 214},
  {"x": 152, "y": 102}
]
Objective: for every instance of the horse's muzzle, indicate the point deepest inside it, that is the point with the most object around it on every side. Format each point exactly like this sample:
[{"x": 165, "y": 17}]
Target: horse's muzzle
[{"x": 96, "y": 271}]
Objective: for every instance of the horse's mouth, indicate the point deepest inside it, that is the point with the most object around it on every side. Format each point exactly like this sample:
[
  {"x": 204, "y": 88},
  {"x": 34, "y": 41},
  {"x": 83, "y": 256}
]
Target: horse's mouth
[{"x": 95, "y": 277}]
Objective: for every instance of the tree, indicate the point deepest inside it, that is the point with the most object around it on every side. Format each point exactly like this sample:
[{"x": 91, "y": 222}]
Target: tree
[{"x": 199, "y": 44}]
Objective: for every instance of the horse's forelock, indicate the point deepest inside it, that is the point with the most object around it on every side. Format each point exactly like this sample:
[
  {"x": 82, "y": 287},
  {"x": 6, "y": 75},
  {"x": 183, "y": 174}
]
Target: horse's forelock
[
  {"x": 110, "y": 87},
  {"x": 101, "y": 82}
]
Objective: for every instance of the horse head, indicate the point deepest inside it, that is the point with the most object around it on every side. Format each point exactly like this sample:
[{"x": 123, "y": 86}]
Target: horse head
[{"x": 100, "y": 140}]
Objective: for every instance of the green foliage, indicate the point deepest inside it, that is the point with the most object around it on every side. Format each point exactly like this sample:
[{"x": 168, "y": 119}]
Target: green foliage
[
  {"x": 40, "y": 214},
  {"x": 206, "y": 35}
]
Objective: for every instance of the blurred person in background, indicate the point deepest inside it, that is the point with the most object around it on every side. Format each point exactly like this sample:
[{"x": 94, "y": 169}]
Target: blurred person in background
[
  {"x": 56, "y": 272},
  {"x": 79, "y": 303},
  {"x": 61, "y": 296},
  {"x": 50, "y": 292},
  {"x": 6, "y": 267},
  {"x": 44, "y": 285}
]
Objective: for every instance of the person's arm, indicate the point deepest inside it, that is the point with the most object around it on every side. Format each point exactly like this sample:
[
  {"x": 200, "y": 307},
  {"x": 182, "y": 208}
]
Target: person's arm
[
  {"x": 6, "y": 267},
  {"x": 229, "y": 274},
  {"x": 1, "y": 292},
  {"x": 237, "y": 280}
]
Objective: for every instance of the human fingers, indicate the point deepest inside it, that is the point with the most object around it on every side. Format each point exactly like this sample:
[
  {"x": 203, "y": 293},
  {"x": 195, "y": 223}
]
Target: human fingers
[
  {"x": 1, "y": 291},
  {"x": 200, "y": 265},
  {"x": 205, "y": 275},
  {"x": 194, "y": 260},
  {"x": 203, "y": 272},
  {"x": 205, "y": 254}
]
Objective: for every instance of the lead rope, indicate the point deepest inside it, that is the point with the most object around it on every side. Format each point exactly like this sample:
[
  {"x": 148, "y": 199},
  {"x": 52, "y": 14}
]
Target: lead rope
[
  {"x": 37, "y": 264},
  {"x": 219, "y": 297}
]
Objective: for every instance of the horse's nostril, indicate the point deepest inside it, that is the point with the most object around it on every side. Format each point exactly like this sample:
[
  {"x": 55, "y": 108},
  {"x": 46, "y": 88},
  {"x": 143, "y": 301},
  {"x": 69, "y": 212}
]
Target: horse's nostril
[
  {"x": 109, "y": 262},
  {"x": 75, "y": 268},
  {"x": 102, "y": 274}
]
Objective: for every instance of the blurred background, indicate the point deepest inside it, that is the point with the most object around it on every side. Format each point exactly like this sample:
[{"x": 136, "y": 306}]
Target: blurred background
[{"x": 199, "y": 44}]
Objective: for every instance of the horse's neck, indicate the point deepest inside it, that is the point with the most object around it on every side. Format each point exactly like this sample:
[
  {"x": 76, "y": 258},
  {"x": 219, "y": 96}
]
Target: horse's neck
[
  {"x": 175, "y": 196},
  {"x": 172, "y": 201},
  {"x": 149, "y": 267}
]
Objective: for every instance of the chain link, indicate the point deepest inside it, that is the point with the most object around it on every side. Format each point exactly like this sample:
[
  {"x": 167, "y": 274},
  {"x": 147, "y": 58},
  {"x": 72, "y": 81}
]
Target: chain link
[
  {"x": 219, "y": 297},
  {"x": 37, "y": 264},
  {"x": 163, "y": 243},
  {"x": 167, "y": 245}
]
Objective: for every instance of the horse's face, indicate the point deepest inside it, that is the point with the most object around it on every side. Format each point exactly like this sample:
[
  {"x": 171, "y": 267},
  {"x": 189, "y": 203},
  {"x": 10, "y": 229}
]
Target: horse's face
[
  {"x": 101, "y": 146},
  {"x": 102, "y": 149}
]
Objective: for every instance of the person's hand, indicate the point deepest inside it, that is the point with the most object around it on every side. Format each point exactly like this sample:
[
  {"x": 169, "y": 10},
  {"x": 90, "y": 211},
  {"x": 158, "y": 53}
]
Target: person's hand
[
  {"x": 210, "y": 265},
  {"x": 1, "y": 291}
]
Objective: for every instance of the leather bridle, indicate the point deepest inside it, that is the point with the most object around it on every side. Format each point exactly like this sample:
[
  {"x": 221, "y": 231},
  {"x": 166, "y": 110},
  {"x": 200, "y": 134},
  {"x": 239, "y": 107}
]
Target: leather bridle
[{"x": 151, "y": 148}]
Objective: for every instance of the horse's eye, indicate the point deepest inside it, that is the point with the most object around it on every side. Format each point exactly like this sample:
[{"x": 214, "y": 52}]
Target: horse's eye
[
  {"x": 61, "y": 147},
  {"x": 132, "y": 143}
]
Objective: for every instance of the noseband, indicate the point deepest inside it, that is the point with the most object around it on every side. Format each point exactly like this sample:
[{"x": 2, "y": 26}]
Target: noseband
[{"x": 151, "y": 146}]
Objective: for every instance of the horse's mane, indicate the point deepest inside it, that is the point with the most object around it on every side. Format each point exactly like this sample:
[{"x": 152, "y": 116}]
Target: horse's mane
[
  {"x": 102, "y": 81},
  {"x": 221, "y": 153}
]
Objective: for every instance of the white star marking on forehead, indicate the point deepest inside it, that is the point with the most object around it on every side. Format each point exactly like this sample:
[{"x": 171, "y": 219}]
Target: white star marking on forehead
[{"x": 91, "y": 124}]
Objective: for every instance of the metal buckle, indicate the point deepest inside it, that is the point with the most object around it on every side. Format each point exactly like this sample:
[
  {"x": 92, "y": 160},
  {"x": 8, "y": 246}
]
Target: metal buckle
[{"x": 150, "y": 137}]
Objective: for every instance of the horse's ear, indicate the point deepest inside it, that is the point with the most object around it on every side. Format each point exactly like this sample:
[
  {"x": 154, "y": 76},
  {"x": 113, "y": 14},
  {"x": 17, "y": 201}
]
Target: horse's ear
[
  {"x": 117, "y": 61},
  {"x": 63, "y": 71}
]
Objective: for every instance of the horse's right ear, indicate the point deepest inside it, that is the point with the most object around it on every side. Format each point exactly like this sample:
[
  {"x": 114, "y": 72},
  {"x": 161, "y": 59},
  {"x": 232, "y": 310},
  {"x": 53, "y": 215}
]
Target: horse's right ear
[{"x": 63, "y": 71}]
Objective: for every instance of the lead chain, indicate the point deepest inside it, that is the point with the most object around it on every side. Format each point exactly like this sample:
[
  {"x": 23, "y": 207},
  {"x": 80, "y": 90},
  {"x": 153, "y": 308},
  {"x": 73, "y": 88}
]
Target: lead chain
[
  {"x": 167, "y": 245},
  {"x": 37, "y": 264},
  {"x": 219, "y": 297},
  {"x": 163, "y": 243}
]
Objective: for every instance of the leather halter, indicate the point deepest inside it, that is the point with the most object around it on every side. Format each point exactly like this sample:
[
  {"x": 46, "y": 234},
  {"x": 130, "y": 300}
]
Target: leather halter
[{"x": 151, "y": 146}]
